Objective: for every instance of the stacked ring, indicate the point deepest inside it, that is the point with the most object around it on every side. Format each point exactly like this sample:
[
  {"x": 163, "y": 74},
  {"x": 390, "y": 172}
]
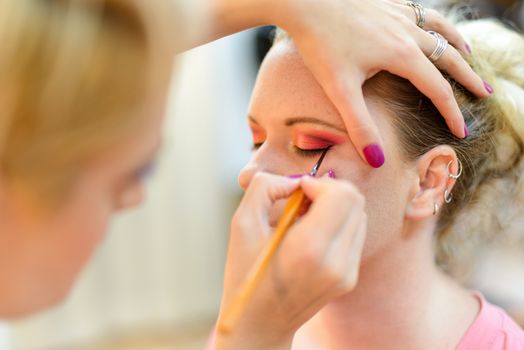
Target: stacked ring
[
  {"x": 442, "y": 45},
  {"x": 420, "y": 13}
]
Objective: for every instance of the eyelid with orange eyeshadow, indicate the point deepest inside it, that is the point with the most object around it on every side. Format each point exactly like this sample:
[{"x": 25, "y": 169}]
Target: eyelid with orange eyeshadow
[
  {"x": 316, "y": 139},
  {"x": 304, "y": 139}
]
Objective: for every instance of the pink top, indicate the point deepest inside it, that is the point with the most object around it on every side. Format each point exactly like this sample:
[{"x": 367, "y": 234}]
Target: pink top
[{"x": 493, "y": 329}]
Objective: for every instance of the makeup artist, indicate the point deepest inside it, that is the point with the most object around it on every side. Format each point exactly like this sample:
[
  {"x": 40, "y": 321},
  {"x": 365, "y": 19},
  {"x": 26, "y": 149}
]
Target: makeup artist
[{"x": 82, "y": 93}]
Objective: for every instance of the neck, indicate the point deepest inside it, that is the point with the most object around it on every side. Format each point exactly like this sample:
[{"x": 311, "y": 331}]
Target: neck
[{"x": 402, "y": 301}]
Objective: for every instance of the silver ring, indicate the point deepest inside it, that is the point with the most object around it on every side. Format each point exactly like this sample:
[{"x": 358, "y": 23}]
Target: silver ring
[
  {"x": 442, "y": 45},
  {"x": 420, "y": 13}
]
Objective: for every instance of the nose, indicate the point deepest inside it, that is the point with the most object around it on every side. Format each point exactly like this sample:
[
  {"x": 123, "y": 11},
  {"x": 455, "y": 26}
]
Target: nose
[{"x": 267, "y": 158}]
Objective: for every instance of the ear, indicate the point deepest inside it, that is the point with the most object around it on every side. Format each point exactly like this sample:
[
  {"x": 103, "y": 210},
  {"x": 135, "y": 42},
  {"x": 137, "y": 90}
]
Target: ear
[{"x": 434, "y": 169}]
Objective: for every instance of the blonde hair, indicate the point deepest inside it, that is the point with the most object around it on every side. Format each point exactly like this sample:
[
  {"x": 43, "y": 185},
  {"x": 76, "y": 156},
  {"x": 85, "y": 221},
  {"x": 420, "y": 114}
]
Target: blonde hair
[
  {"x": 71, "y": 75},
  {"x": 489, "y": 196},
  {"x": 493, "y": 205}
]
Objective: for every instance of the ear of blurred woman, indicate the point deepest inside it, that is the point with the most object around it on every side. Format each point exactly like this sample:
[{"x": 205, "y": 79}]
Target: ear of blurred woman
[{"x": 432, "y": 181}]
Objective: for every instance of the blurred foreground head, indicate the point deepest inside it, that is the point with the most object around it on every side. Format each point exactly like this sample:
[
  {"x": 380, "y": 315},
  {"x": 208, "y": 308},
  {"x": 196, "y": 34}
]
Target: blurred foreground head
[
  {"x": 82, "y": 94},
  {"x": 72, "y": 74}
]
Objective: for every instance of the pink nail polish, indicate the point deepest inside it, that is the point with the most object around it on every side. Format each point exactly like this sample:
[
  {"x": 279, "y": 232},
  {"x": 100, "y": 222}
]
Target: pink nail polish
[
  {"x": 296, "y": 176},
  {"x": 374, "y": 155},
  {"x": 488, "y": 87},
  {"x": 331, "y": 174},
  {"x": 466, "y": 131},
  {"x": 468, "y": 48}
]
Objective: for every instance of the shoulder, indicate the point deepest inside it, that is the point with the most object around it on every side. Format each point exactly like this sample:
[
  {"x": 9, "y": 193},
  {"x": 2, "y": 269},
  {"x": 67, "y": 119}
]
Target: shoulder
[{"x": 493, "y": 329}]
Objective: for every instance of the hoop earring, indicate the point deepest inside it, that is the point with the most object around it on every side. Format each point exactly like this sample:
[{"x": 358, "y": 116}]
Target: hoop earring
[
  {"x": 453, "y": 176},
  {"x": 448, "y": 196},
  {"x": 435, "y": 208}
]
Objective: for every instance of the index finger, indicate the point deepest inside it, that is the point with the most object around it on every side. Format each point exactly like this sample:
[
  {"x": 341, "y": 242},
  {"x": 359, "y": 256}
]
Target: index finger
[
  {"x": 348, "y": 98},
  {"x": 265, "y": 189}
]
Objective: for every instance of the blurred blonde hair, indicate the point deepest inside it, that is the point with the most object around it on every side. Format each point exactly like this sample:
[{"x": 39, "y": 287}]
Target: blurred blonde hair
[
  {"x": 72, "y": 73},
  {"x": 488, "y": 199}
]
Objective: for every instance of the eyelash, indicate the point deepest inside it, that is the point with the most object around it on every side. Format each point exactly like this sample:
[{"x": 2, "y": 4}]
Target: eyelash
[
  {"x": 299, "y": 151},
  {"x": 307, "y": 152}
]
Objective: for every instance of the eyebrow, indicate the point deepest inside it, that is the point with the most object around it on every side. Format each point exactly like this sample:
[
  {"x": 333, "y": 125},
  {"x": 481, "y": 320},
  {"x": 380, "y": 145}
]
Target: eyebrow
[{"x": 305, "y": 120}]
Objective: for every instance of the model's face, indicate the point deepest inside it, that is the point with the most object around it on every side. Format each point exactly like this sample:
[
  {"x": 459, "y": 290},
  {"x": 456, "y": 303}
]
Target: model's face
[
  {"x": 292, "y": 120},
  {"x": 42, "y": 253}
]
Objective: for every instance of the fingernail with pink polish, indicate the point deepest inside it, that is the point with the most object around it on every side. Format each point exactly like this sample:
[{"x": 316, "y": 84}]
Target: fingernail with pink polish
[
  {"x": 296, "y": 176},
  {"x": 466, "y": 131},
  {"x": 374, "y": 155},
  {"x": 488, "y": 87},
  {"x": 331, "y": 174},
  {"x": 468, "y": 48}
]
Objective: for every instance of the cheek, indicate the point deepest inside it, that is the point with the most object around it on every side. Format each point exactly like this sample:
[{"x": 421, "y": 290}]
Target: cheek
[
  {"x": 88, "y": 225},
  {"x": 87, "y": 233},
  {"x": 78, "y": 232},
  {"x": 385, "y": 206},
  {"x": 386, "y": 197}
]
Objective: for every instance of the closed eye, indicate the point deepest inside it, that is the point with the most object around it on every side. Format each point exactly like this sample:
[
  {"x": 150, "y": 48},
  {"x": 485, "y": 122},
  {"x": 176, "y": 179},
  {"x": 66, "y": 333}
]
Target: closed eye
[{"x": 307, "y": 152}]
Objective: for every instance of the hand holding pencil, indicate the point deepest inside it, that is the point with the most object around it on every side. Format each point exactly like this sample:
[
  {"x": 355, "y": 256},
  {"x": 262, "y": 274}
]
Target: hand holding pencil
[{"x": 309, "y": 268}]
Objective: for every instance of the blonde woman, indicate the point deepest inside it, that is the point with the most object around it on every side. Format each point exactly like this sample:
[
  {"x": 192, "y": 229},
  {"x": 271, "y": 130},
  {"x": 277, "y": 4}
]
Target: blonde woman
[{"x": 424, "y": 209}]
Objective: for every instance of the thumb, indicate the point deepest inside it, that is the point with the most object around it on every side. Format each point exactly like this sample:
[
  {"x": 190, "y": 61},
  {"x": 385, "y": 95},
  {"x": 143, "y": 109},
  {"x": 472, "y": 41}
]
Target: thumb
[{"x": 264, "y": 190}]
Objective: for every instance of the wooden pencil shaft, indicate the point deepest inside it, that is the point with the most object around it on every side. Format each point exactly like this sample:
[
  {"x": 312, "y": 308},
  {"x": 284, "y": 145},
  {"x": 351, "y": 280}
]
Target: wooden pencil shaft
[{"x": 233, "y": 313}]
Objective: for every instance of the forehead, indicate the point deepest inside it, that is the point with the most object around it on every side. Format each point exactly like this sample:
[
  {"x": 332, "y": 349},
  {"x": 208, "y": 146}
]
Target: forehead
[
  {"x": 285, "y": 85},
  {"x": 285, "y": 88}
]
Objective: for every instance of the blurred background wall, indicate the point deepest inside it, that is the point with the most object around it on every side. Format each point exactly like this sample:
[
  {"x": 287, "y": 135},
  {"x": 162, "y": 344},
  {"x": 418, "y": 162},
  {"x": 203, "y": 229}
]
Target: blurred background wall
[{"x": 156, "y": 281}]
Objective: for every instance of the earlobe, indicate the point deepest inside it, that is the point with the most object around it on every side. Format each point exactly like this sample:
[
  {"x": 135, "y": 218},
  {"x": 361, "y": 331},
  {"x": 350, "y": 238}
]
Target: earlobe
[
  {"x": 437, "y": 176},
  {"x": 421, "y": 206}
]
